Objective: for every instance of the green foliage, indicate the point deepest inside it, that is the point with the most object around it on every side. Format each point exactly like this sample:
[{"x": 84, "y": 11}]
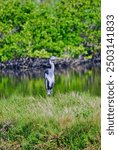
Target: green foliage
[{"x": 61, "y": 28}]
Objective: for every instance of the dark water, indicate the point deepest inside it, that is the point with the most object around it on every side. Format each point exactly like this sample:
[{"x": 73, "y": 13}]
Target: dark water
[{"x": 66, "y": 81}]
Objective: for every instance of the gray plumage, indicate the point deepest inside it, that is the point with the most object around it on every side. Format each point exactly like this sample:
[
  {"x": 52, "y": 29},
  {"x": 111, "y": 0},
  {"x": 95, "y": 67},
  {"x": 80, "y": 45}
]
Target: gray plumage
[{"x": 49, "y": 77}]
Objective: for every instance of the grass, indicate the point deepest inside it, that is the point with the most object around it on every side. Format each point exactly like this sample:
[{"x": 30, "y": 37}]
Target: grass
[{"x": 63, "y": 122}]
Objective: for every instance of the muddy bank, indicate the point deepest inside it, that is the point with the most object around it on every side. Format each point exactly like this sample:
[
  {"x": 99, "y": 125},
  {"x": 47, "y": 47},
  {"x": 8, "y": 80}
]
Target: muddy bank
[{"x": 35, "y": 66}]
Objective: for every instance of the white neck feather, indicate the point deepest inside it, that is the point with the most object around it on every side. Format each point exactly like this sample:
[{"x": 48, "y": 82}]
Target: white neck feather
[{"x": 52, "y": 65}]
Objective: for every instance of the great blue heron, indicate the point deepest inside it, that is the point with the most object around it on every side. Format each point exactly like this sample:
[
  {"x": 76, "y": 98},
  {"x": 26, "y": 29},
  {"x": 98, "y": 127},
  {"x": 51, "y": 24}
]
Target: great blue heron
[{"x": 49, "y": 76}]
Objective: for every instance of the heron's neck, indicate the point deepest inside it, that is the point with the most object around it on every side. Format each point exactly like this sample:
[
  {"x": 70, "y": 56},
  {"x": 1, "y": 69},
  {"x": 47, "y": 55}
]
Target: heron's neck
[{"x": 52, "y": 65}]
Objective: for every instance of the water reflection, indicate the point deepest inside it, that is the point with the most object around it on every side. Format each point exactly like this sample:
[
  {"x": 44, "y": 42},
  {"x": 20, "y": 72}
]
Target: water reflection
[{"x": 66, "y": 81}]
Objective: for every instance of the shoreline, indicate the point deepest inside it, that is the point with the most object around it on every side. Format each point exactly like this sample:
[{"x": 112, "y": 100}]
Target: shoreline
[{"x": 36, "y": 66}]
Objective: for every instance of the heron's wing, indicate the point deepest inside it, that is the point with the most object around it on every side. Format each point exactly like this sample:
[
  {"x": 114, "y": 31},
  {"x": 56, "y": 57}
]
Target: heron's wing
[
  {"x": 49, "y": 79},
  {"x": 49, "y": 84},
  {"x": 46, "y": 72},
  {"x": 49, "y": 74},
  {"x": 52, "y": 84}
]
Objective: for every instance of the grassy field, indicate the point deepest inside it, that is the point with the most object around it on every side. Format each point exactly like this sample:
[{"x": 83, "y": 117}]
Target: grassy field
[{"x": 63, "y": 122}]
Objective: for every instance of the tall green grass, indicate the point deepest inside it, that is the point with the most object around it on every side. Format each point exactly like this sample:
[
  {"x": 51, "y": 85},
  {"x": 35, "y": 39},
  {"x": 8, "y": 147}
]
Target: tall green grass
[{"x": 64, "y": 121}]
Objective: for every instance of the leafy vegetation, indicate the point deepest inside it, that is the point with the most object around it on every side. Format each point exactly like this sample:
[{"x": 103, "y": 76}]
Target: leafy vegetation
[
  {"x": 66, "y": 121},
  {"x": 65, "y": 28}
]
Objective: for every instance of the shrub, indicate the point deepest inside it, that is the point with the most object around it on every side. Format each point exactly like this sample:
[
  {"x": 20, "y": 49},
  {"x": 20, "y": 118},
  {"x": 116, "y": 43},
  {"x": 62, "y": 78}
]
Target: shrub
[{"x": 49, "y": 28}]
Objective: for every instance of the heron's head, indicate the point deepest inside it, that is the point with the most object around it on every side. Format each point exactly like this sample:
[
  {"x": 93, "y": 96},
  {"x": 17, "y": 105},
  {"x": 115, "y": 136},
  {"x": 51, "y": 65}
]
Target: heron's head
[{"x": 52, "y": 58}]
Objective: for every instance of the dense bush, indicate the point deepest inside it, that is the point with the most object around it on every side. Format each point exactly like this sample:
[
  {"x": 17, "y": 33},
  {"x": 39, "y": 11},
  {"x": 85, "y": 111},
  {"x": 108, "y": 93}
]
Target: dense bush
[{"x": 65, "y": 28}]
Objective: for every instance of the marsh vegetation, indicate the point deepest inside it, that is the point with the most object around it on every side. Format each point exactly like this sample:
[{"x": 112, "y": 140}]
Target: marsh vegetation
[
  {"x": 70, "y": 119},
  {"x": 64, "y": 121}
]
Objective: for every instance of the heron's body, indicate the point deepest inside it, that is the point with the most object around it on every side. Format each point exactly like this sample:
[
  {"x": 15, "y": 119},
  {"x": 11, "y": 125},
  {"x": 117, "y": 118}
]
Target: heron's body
[{"x": 49, "y": 78}]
